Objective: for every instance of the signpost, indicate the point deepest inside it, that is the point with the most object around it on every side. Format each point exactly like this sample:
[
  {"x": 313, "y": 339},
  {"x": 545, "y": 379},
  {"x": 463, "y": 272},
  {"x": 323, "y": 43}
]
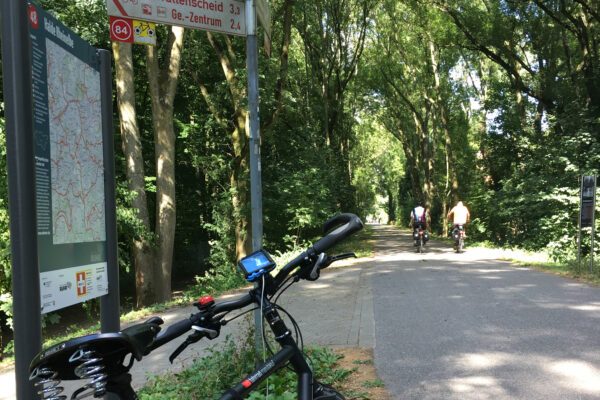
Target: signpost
[
  {"x": 226, "y": 16},
  {"x": 587, "y": 214}
]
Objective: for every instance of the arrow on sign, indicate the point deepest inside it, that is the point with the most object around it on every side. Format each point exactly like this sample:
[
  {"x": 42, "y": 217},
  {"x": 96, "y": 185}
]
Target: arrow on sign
[{"x": 120, "y": 8}]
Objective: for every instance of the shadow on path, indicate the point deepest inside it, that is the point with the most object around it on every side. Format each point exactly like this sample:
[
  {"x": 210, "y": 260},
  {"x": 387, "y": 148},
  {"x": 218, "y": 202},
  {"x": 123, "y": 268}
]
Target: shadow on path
[{"x": 465, "y": 326}]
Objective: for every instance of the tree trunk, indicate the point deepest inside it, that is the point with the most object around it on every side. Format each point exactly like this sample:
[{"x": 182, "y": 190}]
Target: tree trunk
[
  {"x": 143, "y": 257},
  {"x": 281, "y": 86},
  {"x": 239, "y": 141},
  {"x": 391, "y": 206},
  {"x": 241, "y": 189},
  {"x": 162, "y": 84},
  {"x": 444, "y": 218},
  {"x": 451, "y": 177}
]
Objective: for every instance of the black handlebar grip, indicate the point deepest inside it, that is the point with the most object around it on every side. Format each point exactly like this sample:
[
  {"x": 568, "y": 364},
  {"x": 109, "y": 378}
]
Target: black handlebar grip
[
  {"x": 172, "y": 332},
  {"x": 339, "y": 227}
]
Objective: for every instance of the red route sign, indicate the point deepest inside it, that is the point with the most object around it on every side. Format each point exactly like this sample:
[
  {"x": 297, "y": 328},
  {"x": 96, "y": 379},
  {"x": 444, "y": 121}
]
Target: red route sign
[
  {"x": 33, "y": 16},
  {"x": 121, "y": 29},
  {"x": 81, "y": 284}
]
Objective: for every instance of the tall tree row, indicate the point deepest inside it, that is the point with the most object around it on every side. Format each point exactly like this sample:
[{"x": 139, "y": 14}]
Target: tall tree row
[
  {"x": 408, "y": 65},
  {"x": 495, "y": 103}
]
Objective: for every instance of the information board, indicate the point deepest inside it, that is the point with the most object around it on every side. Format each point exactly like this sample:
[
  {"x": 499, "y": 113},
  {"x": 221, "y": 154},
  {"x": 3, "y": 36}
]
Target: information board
[
  {"x": 226, "y": 16},
  {"x": 588, "y": 200},
  {"x": 69, "y": 164}
]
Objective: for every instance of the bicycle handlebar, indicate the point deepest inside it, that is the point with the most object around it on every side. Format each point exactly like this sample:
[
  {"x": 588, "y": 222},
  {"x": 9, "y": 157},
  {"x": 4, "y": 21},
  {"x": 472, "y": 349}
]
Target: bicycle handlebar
[
  {"x": 232, "y": 305},
  {"x": 339, "y": 227},
  {"x": 181, "y": 327}
]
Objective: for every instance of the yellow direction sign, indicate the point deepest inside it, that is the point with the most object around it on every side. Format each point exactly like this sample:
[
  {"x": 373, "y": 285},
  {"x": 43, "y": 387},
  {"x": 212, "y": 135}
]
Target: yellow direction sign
[{"x": 144, "y": 32}]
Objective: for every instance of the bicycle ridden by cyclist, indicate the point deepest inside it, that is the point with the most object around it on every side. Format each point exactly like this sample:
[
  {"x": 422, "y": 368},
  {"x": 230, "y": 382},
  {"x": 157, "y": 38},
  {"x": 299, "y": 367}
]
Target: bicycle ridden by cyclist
[
  {"x": 420, "y": 219},
  {"x": 461, "y": 216}
]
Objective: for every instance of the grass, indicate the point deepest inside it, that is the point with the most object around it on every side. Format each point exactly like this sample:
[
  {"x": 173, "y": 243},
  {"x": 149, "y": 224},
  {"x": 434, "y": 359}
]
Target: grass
[
  {"x": 540, "y": 261},
  {"x": 361, "y": 243},
  {"x": 569, "y": 269},
  {"x": 208, "y": 377},
  {"x": 374, "y": 383}
]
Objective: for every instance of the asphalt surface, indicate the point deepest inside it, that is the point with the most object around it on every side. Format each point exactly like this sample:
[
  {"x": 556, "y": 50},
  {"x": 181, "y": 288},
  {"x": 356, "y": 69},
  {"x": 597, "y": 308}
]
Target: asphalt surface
[
  {"x": 466, "y": 326},
  {"x": 443, "y": 325}
]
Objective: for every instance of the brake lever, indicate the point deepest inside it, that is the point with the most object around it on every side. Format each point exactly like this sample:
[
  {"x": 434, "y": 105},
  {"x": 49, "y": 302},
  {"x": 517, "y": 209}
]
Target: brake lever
[
  {"x": 342, "y": 256},
  {"x": 199, "y": 333},
  {"x": 210, "y": 333},
  {"x": 193, "y": 338},
  {"x": 322, "y": 261}
]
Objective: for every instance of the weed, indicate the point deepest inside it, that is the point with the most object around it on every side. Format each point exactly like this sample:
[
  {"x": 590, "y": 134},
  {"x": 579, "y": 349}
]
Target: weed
[{"x": 374, "y": 383}]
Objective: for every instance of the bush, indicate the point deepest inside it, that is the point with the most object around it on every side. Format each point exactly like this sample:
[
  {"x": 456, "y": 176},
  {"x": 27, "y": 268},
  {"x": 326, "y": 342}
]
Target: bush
[{"x": 211, "y": 375}]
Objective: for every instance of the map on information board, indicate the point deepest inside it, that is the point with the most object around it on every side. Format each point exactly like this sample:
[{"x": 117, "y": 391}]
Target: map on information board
[
  {"x": 76, "y": 149},
  {"x": 69, "y": 164}
]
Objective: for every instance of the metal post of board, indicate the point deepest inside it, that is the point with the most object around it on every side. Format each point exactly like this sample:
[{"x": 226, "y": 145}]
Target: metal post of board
[
  {"x": 16, "y": 70},
  {"x": 593, "y": 229},
  {"x": 579, "y": 231},
  {"x": 109, "y": 303},
  {"x": 254, "y": 127}
]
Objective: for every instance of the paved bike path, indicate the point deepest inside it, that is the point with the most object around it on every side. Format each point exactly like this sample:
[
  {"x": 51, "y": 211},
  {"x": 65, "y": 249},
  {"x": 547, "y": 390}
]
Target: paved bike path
[{"x": 467, "y": 326}]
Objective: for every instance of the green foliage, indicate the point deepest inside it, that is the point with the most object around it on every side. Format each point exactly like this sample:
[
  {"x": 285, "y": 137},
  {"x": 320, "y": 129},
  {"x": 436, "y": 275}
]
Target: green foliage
[
  {"x": 6, "y": 307},
  {"x": 207, "y": 378},
  {"x": 379, "y": 162},
  {"x": 218, "y": 280},
  {"x": 518, "y": 137},
  {"x": 88, "y": 18},
  {"x": 5, "y": 251},
  {"x": 210, "y": 376},
  {"x": 5, "y": 263}
]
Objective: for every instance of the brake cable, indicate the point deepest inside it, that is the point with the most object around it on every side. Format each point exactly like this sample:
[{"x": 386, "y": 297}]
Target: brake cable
[
  {"x": 225, "y": 322},
  {"x": 280, "y": 292}
]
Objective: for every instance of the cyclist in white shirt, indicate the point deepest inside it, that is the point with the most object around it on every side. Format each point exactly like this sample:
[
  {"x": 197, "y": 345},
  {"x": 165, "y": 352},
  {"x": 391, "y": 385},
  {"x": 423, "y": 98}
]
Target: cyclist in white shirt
[
  {"x": 460, "y": 213},
  {"x": 419, "y": 217}
]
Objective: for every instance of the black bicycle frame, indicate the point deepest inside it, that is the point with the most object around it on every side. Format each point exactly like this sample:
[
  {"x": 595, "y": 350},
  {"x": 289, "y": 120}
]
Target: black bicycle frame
[{"x": 289, "y": 353}]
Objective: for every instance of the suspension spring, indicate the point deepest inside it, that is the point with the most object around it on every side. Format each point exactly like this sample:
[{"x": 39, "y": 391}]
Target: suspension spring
[
  {"x": 91, "y": 368},
  {"x": 46, "y": 383}
]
